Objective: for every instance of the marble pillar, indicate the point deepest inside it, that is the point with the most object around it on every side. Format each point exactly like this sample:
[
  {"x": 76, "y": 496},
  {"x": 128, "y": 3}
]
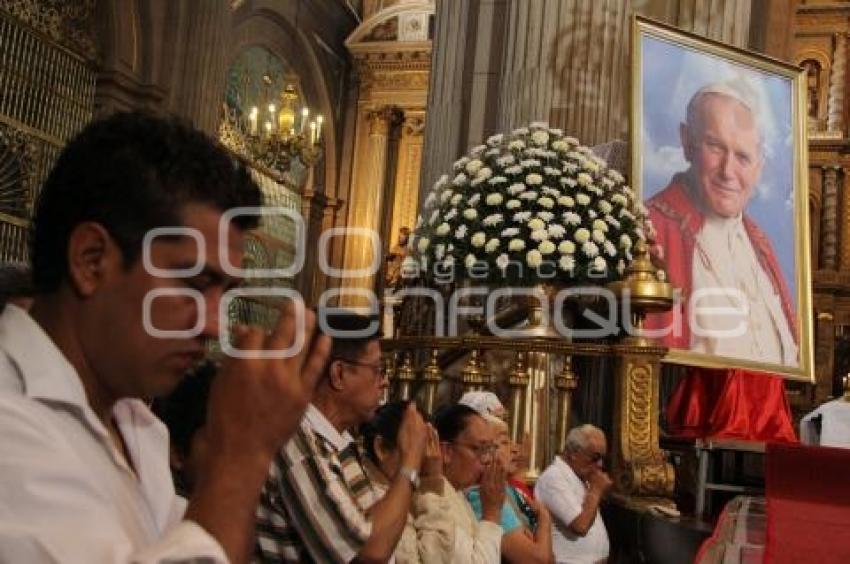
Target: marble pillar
[{"x": 836, "y": 84}]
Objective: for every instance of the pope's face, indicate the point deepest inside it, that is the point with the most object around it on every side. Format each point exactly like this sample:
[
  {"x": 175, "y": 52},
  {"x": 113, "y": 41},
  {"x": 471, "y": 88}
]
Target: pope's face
[{"x": 723, "y": 149}]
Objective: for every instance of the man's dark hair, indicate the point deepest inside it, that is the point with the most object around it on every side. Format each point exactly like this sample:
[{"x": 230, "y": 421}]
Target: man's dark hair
[
  {"x": 451, "y": 420},
  {"x": 132, "y": 172},
  {"x": 15, "y": 282},
  {"x": 340, "y": 323},
  {"x": 384, "y": 424}
]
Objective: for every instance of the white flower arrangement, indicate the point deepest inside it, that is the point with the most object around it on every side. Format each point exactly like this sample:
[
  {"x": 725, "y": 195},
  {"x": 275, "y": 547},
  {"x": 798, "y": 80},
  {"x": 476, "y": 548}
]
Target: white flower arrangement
[{"x": 533, "y": 206}]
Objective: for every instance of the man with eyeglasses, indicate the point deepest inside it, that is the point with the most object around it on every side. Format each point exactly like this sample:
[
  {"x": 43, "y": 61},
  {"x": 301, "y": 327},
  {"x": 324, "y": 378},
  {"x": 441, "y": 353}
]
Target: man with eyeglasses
[
  {"x": 318, "y": 504},
  {"x": 571, "y": 488}
]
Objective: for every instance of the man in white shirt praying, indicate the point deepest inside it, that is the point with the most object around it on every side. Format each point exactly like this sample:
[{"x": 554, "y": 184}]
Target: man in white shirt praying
[
  {"x": 571, "y": 488},
  {"x": 84, "y": 471}
]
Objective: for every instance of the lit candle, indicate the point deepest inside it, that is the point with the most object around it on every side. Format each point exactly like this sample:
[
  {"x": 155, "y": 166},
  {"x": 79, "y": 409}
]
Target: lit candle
[
  {"x": 319, "y": 121},
  {"x": 271, "y": 115},
  {"x": 268, "y": 129},
  {"x": 252, "y": 117},
  {"x": 312, "y": 133},
  {"x": 305, "y": 113}
]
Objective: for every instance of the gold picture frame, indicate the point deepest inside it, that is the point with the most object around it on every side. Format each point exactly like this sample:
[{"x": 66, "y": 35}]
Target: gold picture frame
[{"x": 669, "y": 68}]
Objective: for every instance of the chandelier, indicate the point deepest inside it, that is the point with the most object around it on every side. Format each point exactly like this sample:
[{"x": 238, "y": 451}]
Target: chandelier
[{"x": 274, "y": 134}]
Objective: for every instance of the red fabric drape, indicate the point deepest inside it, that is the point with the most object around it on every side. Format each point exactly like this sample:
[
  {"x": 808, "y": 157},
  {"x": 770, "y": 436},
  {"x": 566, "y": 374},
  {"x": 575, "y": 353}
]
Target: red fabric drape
[{"x": 732, "y": 404}]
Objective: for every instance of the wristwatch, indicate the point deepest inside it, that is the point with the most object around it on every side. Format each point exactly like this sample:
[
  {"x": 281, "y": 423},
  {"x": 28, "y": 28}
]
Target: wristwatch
[{"x": 411, "y": 475}]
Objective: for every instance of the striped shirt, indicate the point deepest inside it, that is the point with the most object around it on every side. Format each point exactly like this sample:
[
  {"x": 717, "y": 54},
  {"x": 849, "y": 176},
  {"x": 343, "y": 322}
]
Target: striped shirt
[{"x": 313, "y": 505}]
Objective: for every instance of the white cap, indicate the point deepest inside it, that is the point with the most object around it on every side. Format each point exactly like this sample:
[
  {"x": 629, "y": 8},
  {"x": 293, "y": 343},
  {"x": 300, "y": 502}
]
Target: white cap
[{"x": 485, "y": 403}]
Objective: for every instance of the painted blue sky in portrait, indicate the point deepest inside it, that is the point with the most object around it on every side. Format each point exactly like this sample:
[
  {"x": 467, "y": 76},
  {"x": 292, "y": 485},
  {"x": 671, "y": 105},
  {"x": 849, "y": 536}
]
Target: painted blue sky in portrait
[{"x": 671, "y": 75}]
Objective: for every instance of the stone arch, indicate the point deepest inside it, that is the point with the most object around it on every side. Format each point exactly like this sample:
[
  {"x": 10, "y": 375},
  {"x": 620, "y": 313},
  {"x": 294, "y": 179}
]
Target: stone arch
[
  {"x": 375, "y": 21},
  {"x": 820, "y": 57}
]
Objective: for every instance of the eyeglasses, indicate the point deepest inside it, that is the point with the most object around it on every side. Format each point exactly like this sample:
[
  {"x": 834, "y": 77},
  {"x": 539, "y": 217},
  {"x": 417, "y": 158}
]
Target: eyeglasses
[
  {"x": 594, "y": 456},
  {"x": 376, "y": 369},
  {"x": 479, "y": 451}
]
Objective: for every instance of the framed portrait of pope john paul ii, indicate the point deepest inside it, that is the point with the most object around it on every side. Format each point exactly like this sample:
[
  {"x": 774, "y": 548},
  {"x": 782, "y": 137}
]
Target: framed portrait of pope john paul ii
[{"x": 719, "y": 160}]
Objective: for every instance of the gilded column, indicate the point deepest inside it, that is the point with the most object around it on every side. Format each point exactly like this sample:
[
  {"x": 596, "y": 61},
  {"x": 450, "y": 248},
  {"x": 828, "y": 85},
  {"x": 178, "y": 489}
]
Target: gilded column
[
  {"x": 367, "y": 196},
  {"x": 197, "y": 92},
  {"x": 836, "y": 84},
  {"x": 829, "y": 218},
  {"x": 566, "y": 63}
]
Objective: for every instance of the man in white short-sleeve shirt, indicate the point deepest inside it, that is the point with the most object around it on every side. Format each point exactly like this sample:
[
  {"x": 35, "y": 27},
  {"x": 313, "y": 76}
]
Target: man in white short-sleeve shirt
[{"x": 571, "y": 488}]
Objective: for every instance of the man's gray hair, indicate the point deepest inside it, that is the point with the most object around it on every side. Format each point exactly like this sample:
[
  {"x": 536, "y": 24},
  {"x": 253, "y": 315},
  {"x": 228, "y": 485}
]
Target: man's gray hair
[
  {"x": 740, "y": 90},
  {"x": 579, "y": 437}
]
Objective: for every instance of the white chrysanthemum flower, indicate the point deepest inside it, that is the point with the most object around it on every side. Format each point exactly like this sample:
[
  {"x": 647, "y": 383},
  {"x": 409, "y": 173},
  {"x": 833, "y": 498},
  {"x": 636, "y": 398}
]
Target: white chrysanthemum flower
[
  {"x": 484, "y": 174},
  {"x": 591, "y": 214},
  {"x": 600, "y": 264},
  {"x": 546, "y": 247},
  {"x": 478, "y": 239},
  {"x": 529, "y": 163},
  {"x": 470, "y": 213},
  {"x": 540, "y": 235},
  {"x": 516, "y": 188},
  {"x": 477, "y": 150},
  {"x": 571, "y": 218},
  {"x": 626, "y": 213},
  {"x": 516, "y": 145},
  {"x": 513, "y": 204},
  {"x": 628, "y": 254},
  {"x": 497, "y": 180},
  {"x": 443, "y": 229},
  {"x": 582, "y": 199},
  {"x": 629, "y": 191},
  {"x": 470, "y": 260},
  {"x": 503, "y": 261},
  {"x": 590, "y": 249},
  {"x": 570, "y": 168},
  {"x": 492, "y": 245},
  {"x": 473, "y": 200},
  {"x": 460, "y": 232},
  {"x": 591, "y": 166},
  {"x": 456, "y": 199},
  {"x": 533, "y": 258},
  {"x": 444, "y": 197},
  {"x": 495, "y": 140},
  {"x": 450, "y": 247},
  {"x": 493, "y": 220},
  {"x": 571, "y": 140},
  {"x": 419, "y": 222},
  {"x": 571, "y": 182},
  {"x": 567, "y": 263},
  {"x": 605, "y": 206},
  {"x": 520, "y": 131},
  {"x": 516, "y": 245},
  {"x": 515, "y": 169},
  {"x": 621, "y": 267},
  {"x": 441, "y": 182},
  {"x": 582, "y": 235},
  {"x": 460, "y": 180},
  {"x": 566, "y": 201},
  {"x": 434, "y": 216},
  {"x": 599, "y": 236},
  {"x": 612, "y": 222},
  {"x": 640, "y": 234},
  {"x": 556, "y": 231},
  {"x": 546, "y": 216},
  {"x": 533, "y": 179},
  {"x": 494, "y": 199},
  {"x": 540, "y": 138},
  {"x": 439, "y": 251},
  {"x": 505, "y": 160},
  {"x": 556, "y": 131},
  {"x": 600, "y": 225},
  {"x": 530, "y": 195},
  {"x": 423, "y": 244},
  {"x": 536, "y": 223},
  {"x": 510, "y": 232},
  {"x": 615, "y": 176},
  {"x": 625, "y": 241},
  {"x": 450, "y": 215},
  {"x": 460, "y": 163},
  {"x": 560, "y": 145},
  {"x": 609, "y": 248},
  {"x": 619, "y": 199},
  {"x": 431, "y": 199},
  {"x": 584, "y": 179},
  {"x": 494, "y": 152},
  {"x": 448, "y": 262},
  {"x": 566, "y": 247},
  {"x": 551, "y": 171},
  {"x": 546, "y": 202},
  {"x": 584, "y": 150},
  {"x": 473, "y": 166},
  {"x": 549, "y": 191},
  {"x": 608, "y": 183},
  {"x": 522, "y": 217}
]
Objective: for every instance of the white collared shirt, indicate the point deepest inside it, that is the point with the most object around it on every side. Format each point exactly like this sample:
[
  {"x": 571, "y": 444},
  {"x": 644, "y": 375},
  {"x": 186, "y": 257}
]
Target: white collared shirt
[
  {"x": 562, "y": 492},
  {"x": 66, "y": 493},
  {"x": 736, "y": 292}
]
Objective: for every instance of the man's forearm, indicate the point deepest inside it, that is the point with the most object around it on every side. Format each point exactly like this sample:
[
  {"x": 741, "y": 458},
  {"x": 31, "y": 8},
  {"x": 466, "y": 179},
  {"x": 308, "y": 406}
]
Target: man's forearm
[
  {"x": 589, "y": 508},
  {"x": 225, "y": 502}
]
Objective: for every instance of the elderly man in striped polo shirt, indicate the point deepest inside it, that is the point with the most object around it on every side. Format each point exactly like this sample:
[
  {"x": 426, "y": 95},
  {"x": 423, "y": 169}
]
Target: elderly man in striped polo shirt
[{"x": 314, "y": 505}]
